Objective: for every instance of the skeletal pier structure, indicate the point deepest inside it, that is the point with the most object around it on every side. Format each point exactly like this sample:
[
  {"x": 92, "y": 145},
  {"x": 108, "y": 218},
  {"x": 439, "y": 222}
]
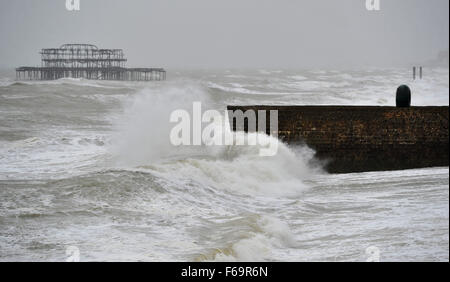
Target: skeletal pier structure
[{"x": 86, "y": 61}]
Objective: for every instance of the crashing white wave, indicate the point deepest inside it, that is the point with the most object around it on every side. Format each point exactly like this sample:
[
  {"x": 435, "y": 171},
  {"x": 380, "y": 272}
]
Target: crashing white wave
[
  {"x": 269, "y": 234},
  {"x": 143, "y": 140}
]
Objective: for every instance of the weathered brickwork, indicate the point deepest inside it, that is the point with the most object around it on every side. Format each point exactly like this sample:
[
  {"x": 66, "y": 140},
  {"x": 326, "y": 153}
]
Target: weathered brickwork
[{"x": 364, "y": 138}]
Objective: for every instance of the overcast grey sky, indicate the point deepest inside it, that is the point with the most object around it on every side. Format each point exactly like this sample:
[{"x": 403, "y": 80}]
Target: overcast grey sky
[{"x": 231, "y": 33}]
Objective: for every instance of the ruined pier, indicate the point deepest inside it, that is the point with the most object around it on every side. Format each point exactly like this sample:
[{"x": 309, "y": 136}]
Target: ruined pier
[{"x": 86, "y": 61}]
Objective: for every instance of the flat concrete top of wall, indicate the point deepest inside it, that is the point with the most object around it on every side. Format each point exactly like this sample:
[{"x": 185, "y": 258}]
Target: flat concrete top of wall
[{"x": 332, "y": 107}]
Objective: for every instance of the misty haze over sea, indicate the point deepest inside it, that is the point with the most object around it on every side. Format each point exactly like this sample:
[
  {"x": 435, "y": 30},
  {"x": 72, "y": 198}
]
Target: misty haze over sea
[
  {"x": 89, "y": 164},
  {"x": 253, "y": 34}
]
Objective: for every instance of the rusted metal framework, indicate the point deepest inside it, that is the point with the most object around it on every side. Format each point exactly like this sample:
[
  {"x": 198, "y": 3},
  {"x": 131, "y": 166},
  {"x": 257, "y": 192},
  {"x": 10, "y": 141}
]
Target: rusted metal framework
[{"x": 86, "y": 61}]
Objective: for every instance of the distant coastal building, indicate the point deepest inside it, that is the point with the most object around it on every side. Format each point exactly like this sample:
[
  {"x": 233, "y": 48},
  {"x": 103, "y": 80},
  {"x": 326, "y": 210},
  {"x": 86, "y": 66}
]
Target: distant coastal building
[
  {"x": 443, "y": 58},
  {"x": 86, "y": 61}
]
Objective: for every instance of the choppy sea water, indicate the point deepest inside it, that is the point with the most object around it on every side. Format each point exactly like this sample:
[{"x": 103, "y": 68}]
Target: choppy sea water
[{"x": 88, "y": 164}]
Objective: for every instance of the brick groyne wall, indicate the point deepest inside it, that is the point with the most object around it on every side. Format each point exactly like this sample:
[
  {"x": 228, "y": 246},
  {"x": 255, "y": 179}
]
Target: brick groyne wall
[{"x": 366, "y": 138}]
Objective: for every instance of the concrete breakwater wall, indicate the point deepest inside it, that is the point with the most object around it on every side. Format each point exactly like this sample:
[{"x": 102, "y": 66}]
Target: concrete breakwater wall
[{"x": 365, "y": 138}]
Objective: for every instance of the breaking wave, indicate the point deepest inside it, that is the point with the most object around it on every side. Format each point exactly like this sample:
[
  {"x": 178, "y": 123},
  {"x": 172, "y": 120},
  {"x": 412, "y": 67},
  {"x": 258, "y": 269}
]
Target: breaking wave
[{"x": 143, "y": 142}]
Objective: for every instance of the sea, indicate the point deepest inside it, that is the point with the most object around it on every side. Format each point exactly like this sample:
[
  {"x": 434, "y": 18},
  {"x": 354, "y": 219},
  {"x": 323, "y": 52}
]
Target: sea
[{"x": 88, "y": 173}]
